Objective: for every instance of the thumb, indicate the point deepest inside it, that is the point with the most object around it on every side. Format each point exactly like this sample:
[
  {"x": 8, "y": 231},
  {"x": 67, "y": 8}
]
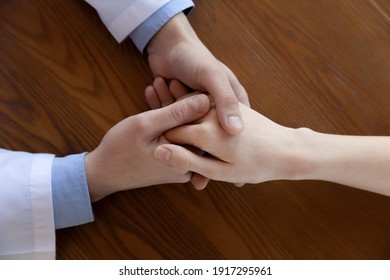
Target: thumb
[
  {"x": 218, "y": 86},
  {"x": 178, "y": 113}
]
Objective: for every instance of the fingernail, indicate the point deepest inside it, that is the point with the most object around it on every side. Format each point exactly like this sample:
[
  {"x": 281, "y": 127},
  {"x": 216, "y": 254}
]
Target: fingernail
[
  {"x": 163, "y": 154},
  {"x": 235, "y": 122},
  {"x": 198, "y": 104}
]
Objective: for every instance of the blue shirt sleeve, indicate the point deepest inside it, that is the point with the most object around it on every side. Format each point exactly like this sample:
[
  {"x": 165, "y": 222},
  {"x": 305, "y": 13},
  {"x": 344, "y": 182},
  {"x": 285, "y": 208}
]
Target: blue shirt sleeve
[
  {"x": 71, "y": 202},
  {"x": 146, "y": 30}
]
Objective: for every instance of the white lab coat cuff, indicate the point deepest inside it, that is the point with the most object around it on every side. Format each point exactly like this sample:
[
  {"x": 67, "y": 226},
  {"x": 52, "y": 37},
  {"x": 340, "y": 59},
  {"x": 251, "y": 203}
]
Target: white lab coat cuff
[
  {"x": 26, "y": 209},
  {"x": 42, "y": 206}
]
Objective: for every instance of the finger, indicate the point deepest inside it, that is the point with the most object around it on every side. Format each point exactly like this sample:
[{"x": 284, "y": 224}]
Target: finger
[
  {"x": 176, "y": 114},
  {"x": 163, "y": 92},
  {"x": 180, "y": 157},
  {"x": 199, "y": 182},
  {"x": 239, "y": 185},
  {"x": 152, "y": 98},
  {"x": 181, "y": 91},
  {"x": 192, "y": 94},
  {"x": 238, "y": 89},
  {"x": 228, "y": 112},
  {"x": 186, "y": 135},
  {"x": 178, "y": 89}
]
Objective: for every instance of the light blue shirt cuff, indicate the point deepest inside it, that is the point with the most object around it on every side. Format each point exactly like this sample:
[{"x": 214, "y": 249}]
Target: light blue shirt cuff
[
  {"x": 146, "y": 30},
  {"x": 71, "y": 202}
]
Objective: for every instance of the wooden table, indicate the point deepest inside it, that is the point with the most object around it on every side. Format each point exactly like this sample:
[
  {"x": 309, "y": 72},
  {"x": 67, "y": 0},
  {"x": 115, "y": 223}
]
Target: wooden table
[{"x": 64, "y": 82}]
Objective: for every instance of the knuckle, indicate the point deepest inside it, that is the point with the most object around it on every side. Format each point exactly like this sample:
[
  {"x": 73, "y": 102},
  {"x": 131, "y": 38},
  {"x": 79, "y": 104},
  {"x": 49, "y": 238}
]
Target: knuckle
[
  {"x": 207, "y": 72},
  {"x": 184, "y": 162},
  {"x": 201, "y": 131},
  {"x": 138, "y": 123},
  {"x": 178, "y": 112},
  {"x": 230, "y": 101},
  {"x": 205, "y": 137},
  {"x": 242, "y": 95},
  {"x": 240, "y": 91}
]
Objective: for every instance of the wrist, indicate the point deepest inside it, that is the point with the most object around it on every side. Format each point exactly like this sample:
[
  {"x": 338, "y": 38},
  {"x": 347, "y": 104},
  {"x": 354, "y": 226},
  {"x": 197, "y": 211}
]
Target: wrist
[
  {"x": 94, "y": 177},
  {"x": 177, "y": 29},
  {"x": 301, "y": 160},
  {"x": 317, "y": 156}
]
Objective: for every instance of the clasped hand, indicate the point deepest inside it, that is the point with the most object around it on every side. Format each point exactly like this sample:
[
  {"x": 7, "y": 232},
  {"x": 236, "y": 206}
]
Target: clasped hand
[
  {"x": 125, "y": 157},
  {"x": 259, "y": 153}
]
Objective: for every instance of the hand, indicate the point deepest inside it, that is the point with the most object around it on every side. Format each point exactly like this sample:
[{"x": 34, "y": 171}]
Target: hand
[
  {"x": 266, "y": 151},
  {"x": 176, "y": 52},
  {"x": 124, "y": 159},
  {"x": 168, "y": 95},
  {"x": 262, "y": 152}
]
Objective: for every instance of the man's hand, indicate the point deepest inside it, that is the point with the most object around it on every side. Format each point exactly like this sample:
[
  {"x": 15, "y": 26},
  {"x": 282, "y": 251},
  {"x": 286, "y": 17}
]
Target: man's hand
[
  {"x": 125, "y": 157},
  {"x": 176, "y": 52}
]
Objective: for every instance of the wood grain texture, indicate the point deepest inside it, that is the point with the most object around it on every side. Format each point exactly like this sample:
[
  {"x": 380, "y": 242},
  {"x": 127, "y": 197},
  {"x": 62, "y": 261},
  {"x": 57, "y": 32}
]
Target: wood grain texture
[{"x": 64, "y": 82}]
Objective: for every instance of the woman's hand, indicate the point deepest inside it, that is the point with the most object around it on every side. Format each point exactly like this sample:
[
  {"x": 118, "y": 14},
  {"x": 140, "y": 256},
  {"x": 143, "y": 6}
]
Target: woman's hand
[{"x": 263, "y": 151}]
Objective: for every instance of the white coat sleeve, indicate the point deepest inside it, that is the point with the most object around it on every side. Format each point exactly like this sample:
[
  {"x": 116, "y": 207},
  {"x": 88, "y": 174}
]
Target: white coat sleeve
[
  {"x": 121, "y": 17},
  {"x": 26, "y": 208}
]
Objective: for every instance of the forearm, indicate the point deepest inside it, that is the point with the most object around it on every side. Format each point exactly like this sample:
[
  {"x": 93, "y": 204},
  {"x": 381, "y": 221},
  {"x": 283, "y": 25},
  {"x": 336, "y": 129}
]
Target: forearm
[{"x": 357, "y": 161}]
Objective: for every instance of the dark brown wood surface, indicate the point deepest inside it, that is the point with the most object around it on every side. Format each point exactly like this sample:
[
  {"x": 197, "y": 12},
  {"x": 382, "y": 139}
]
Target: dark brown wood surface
[{"x": 64, "y": 82}]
